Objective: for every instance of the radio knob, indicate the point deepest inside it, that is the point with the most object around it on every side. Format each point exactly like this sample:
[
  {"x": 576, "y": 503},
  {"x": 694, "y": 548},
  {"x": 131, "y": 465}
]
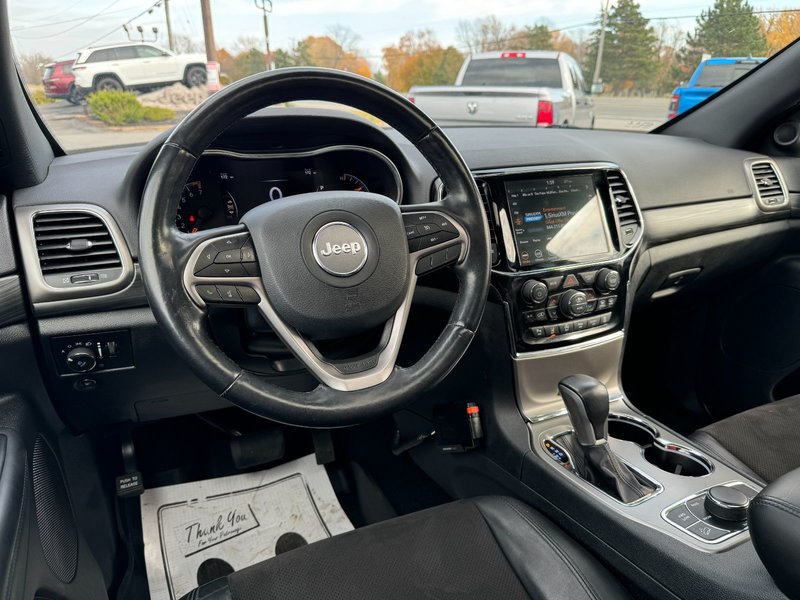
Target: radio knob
[
  {"x": 607, "y": 280},
  {"x": 573, "y": 304},
  {"x": 534, "y": 292},
  {"x": 81, "y": 359}
]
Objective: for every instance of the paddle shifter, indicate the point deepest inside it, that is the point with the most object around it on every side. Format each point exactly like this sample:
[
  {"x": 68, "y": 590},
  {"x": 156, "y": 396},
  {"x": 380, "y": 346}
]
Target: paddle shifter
[{"x": 586, "y": 400}]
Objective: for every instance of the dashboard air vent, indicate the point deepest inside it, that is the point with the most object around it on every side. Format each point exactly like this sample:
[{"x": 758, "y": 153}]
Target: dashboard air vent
[
  {"x": 624, "y": 206},
  {"x": 770, "y": 192},
  {"x": 483, "y": 187},
  {"x": 70, "y": 243}
]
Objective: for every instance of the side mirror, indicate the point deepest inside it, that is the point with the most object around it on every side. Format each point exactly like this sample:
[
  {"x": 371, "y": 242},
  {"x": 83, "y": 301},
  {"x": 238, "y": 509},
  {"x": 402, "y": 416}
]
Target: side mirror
[{"x": 597, "y": 88}]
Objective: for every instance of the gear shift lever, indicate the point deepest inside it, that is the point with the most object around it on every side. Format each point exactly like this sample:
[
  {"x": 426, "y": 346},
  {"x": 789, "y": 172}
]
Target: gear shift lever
[{"x": 586, "y": 400}]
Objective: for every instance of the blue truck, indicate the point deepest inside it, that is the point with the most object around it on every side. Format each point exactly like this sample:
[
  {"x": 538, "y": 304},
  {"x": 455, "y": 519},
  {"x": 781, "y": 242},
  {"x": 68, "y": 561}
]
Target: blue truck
[{"x": 710, "y": 76}]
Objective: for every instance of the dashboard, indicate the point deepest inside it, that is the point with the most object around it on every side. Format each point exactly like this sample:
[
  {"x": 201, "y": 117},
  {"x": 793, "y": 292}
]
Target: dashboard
[{"x": 225, "y": 184}]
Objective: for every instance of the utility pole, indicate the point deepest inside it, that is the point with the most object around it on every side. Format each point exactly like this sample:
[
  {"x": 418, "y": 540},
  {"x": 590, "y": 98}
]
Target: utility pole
[
  {"x": 266, "y": 7},
  {"x": 170, "y": 37},
  {"x": 603, "y": 24},
  {"x": 208, "y": 31}
]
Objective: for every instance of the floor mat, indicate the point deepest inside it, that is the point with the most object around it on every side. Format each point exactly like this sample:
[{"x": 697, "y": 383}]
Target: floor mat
[{"x": 196, "y": 532}]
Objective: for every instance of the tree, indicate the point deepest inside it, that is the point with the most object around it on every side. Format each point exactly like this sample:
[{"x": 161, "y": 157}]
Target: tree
[
  {"x": 630, "y": 55},
  {"x": 538, "y": 37},
  {"x": 187, "y": 45},
  {"x": 485, "y": 35},
  {"x": 669, "y": 72},
  {"x": 419, "y": 59},
  {"x": 728, "y": 28},
  {"x": 780, "y": 30},
  {"x": 31, "y": 66}
]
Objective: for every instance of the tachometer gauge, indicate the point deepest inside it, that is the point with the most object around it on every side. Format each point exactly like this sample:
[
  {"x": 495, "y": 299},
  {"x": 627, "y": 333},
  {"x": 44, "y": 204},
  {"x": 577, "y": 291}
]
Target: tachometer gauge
[
  {"x": 192, "y": 213},
  {"x": 351, "y": 182}
]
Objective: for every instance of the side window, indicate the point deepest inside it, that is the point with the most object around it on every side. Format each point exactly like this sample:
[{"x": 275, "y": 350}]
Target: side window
[
  {"x": 573, "y": 77},
  {"x": 126, "y": 53},
  {"x": 581, "y": 81},
  {"x": 149, "y": 52},
  {"x": 102, "y": 55}
]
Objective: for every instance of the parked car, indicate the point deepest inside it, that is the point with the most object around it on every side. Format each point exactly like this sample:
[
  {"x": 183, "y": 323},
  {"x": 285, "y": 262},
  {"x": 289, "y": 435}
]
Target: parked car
[
  {"x": 710, "y": 77},
  {"x": 136, "y": 66},
  {"x": 539, "y": 88},
  {"x": 59, "y": 81}
]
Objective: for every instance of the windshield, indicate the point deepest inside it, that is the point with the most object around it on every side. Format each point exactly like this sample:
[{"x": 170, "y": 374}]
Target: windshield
[{"x": 130, "y": 69}]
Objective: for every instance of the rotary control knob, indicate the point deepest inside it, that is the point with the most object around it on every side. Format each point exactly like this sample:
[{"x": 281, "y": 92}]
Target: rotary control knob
[
  {"x": 573, "y": 304},
  {"x": 534, "y": 292},
  {"x": 81, "y": 359},
  {"x": 607, "y": 280},
  {"x": 726, "y": 503}
]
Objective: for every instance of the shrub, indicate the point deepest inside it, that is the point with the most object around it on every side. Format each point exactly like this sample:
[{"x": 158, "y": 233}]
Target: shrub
[
  {"x": 123, "y": 108},
  {"x": 37, "y": 94}
]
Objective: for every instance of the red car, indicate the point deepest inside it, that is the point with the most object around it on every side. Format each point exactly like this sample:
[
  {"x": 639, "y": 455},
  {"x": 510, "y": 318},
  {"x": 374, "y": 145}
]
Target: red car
[{"x": 59, "y": 82}]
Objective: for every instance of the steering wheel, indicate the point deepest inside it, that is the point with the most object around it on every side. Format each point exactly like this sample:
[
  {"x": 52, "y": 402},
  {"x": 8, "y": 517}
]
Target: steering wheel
[{"x": 318, "y": 266}]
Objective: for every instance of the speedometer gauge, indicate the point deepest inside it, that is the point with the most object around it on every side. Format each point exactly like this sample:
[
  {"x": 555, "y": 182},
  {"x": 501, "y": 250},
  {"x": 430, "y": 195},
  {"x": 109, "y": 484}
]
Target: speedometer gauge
[{"x": 351, "y": 182}]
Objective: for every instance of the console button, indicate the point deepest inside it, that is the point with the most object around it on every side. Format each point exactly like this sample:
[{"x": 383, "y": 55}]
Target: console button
[
  {"x": 593, "y": 322},
  {"x": 229, "y": 256},
  {"x": 529, "y": 317},
  {"x": 580, "y": 324},
  {"x": 534, "y": 292},
  {"x": 607, "y": 280},
  {"x": 588, "y": 277},
  {"x": 602, "y": 303},
  {"x": 612, "y": 300},
  {"x": 553, "y": 283},
  {"x": 566, "y": 327},
  {"x": 681, "y": 516},
  {"x": 540, "y": 315},
  {"x": 248, "y": 294},
  {"x": 550, "y": 330},
  {"x": 208, "y": 293},
  {"x": 605, "y": 318},
  {"x": 697, "y": 506},
  {"x": 726, "y": 503},
  {"x": 706, "y": 531},
  {"x": 573, "y": 303},
  {"x": 536, "y": 332},
  {"x": 228, "y": 293},
  {"x": 553, "y": 314},
  {"x": 570, "y": 281}
]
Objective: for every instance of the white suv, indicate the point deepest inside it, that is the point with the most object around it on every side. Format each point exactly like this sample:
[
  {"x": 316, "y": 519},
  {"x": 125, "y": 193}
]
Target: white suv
[{"x": 136, "y": 66}]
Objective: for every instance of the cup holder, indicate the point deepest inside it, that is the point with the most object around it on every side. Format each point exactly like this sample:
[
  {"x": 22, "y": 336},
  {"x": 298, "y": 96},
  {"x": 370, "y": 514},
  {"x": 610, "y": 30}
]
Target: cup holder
[{"x": 667, "y": 456}]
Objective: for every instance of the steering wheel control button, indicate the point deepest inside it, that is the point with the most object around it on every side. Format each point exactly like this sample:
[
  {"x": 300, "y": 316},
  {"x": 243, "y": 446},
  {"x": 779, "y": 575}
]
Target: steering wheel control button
[
  {"x": 228, "y": 293},
  {"x": 228, "y": 257},
  {"x": 248, "y": 294},
  {"x": 208, "y": 293},
  {"x": 248, "y": 255},
  {"x": 223, "y": 270},
  {"x": 205, "y": 259},
  {"x": 726, "y": 503},
  {"x": 340, "y": 249},
  {"x": 231, "y": 243},
  {"x": 81, "y": 359}
]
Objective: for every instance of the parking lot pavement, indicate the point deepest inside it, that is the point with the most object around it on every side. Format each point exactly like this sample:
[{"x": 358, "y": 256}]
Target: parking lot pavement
[{"x": 75, "y": 131}]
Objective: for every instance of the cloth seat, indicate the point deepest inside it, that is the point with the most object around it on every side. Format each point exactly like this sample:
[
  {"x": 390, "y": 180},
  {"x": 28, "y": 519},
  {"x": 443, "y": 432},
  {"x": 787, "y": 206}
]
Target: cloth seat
[
  {"x": 478, "y": 549},
  {"x": 762, "y": 442}
]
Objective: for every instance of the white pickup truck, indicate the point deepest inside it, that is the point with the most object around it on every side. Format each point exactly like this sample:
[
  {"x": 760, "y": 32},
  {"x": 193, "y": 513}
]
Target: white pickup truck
[
  {"x": 135, "y": 66},
  {"x": 520, "y": 87}
]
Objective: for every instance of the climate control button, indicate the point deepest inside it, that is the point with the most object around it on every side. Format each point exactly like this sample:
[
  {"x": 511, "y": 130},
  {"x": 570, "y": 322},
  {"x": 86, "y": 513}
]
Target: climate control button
[
  {"x": 607, "y": 280},
  {"x": 534, "y": 292},
  {"x": 574, "y": 304}
]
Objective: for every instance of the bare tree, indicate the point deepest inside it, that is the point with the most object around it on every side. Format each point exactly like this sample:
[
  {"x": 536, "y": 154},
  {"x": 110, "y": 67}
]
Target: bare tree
[
  {"x": 345, "y": 37},
  {"x": 245, "y": 43},
  {"x": 31, "y": 66},
  {"x": 185, "y": 44}
]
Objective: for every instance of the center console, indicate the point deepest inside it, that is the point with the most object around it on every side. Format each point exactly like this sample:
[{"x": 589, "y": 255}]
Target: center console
[{"x": 565, "y": 241}]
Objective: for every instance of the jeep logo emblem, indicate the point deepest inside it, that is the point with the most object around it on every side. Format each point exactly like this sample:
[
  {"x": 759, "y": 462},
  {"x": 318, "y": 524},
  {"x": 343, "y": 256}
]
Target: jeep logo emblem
[{"x": 339, "y": 249}]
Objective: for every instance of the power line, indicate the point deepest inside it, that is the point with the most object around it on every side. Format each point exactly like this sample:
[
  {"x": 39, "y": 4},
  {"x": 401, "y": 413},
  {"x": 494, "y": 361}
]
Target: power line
[{"x": 68, "y": 29}]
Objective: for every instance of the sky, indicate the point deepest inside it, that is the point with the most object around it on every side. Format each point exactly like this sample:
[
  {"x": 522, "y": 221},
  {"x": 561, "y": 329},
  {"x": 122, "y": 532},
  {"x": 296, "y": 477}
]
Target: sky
[{"x": 59, "y": 28}]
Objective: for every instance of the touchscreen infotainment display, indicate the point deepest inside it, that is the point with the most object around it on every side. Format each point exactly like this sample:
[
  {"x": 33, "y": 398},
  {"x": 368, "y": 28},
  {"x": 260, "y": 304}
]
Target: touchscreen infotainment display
[{"x": 556, "y": 218}]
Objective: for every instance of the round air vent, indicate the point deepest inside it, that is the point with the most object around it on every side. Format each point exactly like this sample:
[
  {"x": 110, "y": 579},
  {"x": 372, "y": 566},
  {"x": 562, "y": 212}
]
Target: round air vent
[{"x": 54, "y": 517}]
